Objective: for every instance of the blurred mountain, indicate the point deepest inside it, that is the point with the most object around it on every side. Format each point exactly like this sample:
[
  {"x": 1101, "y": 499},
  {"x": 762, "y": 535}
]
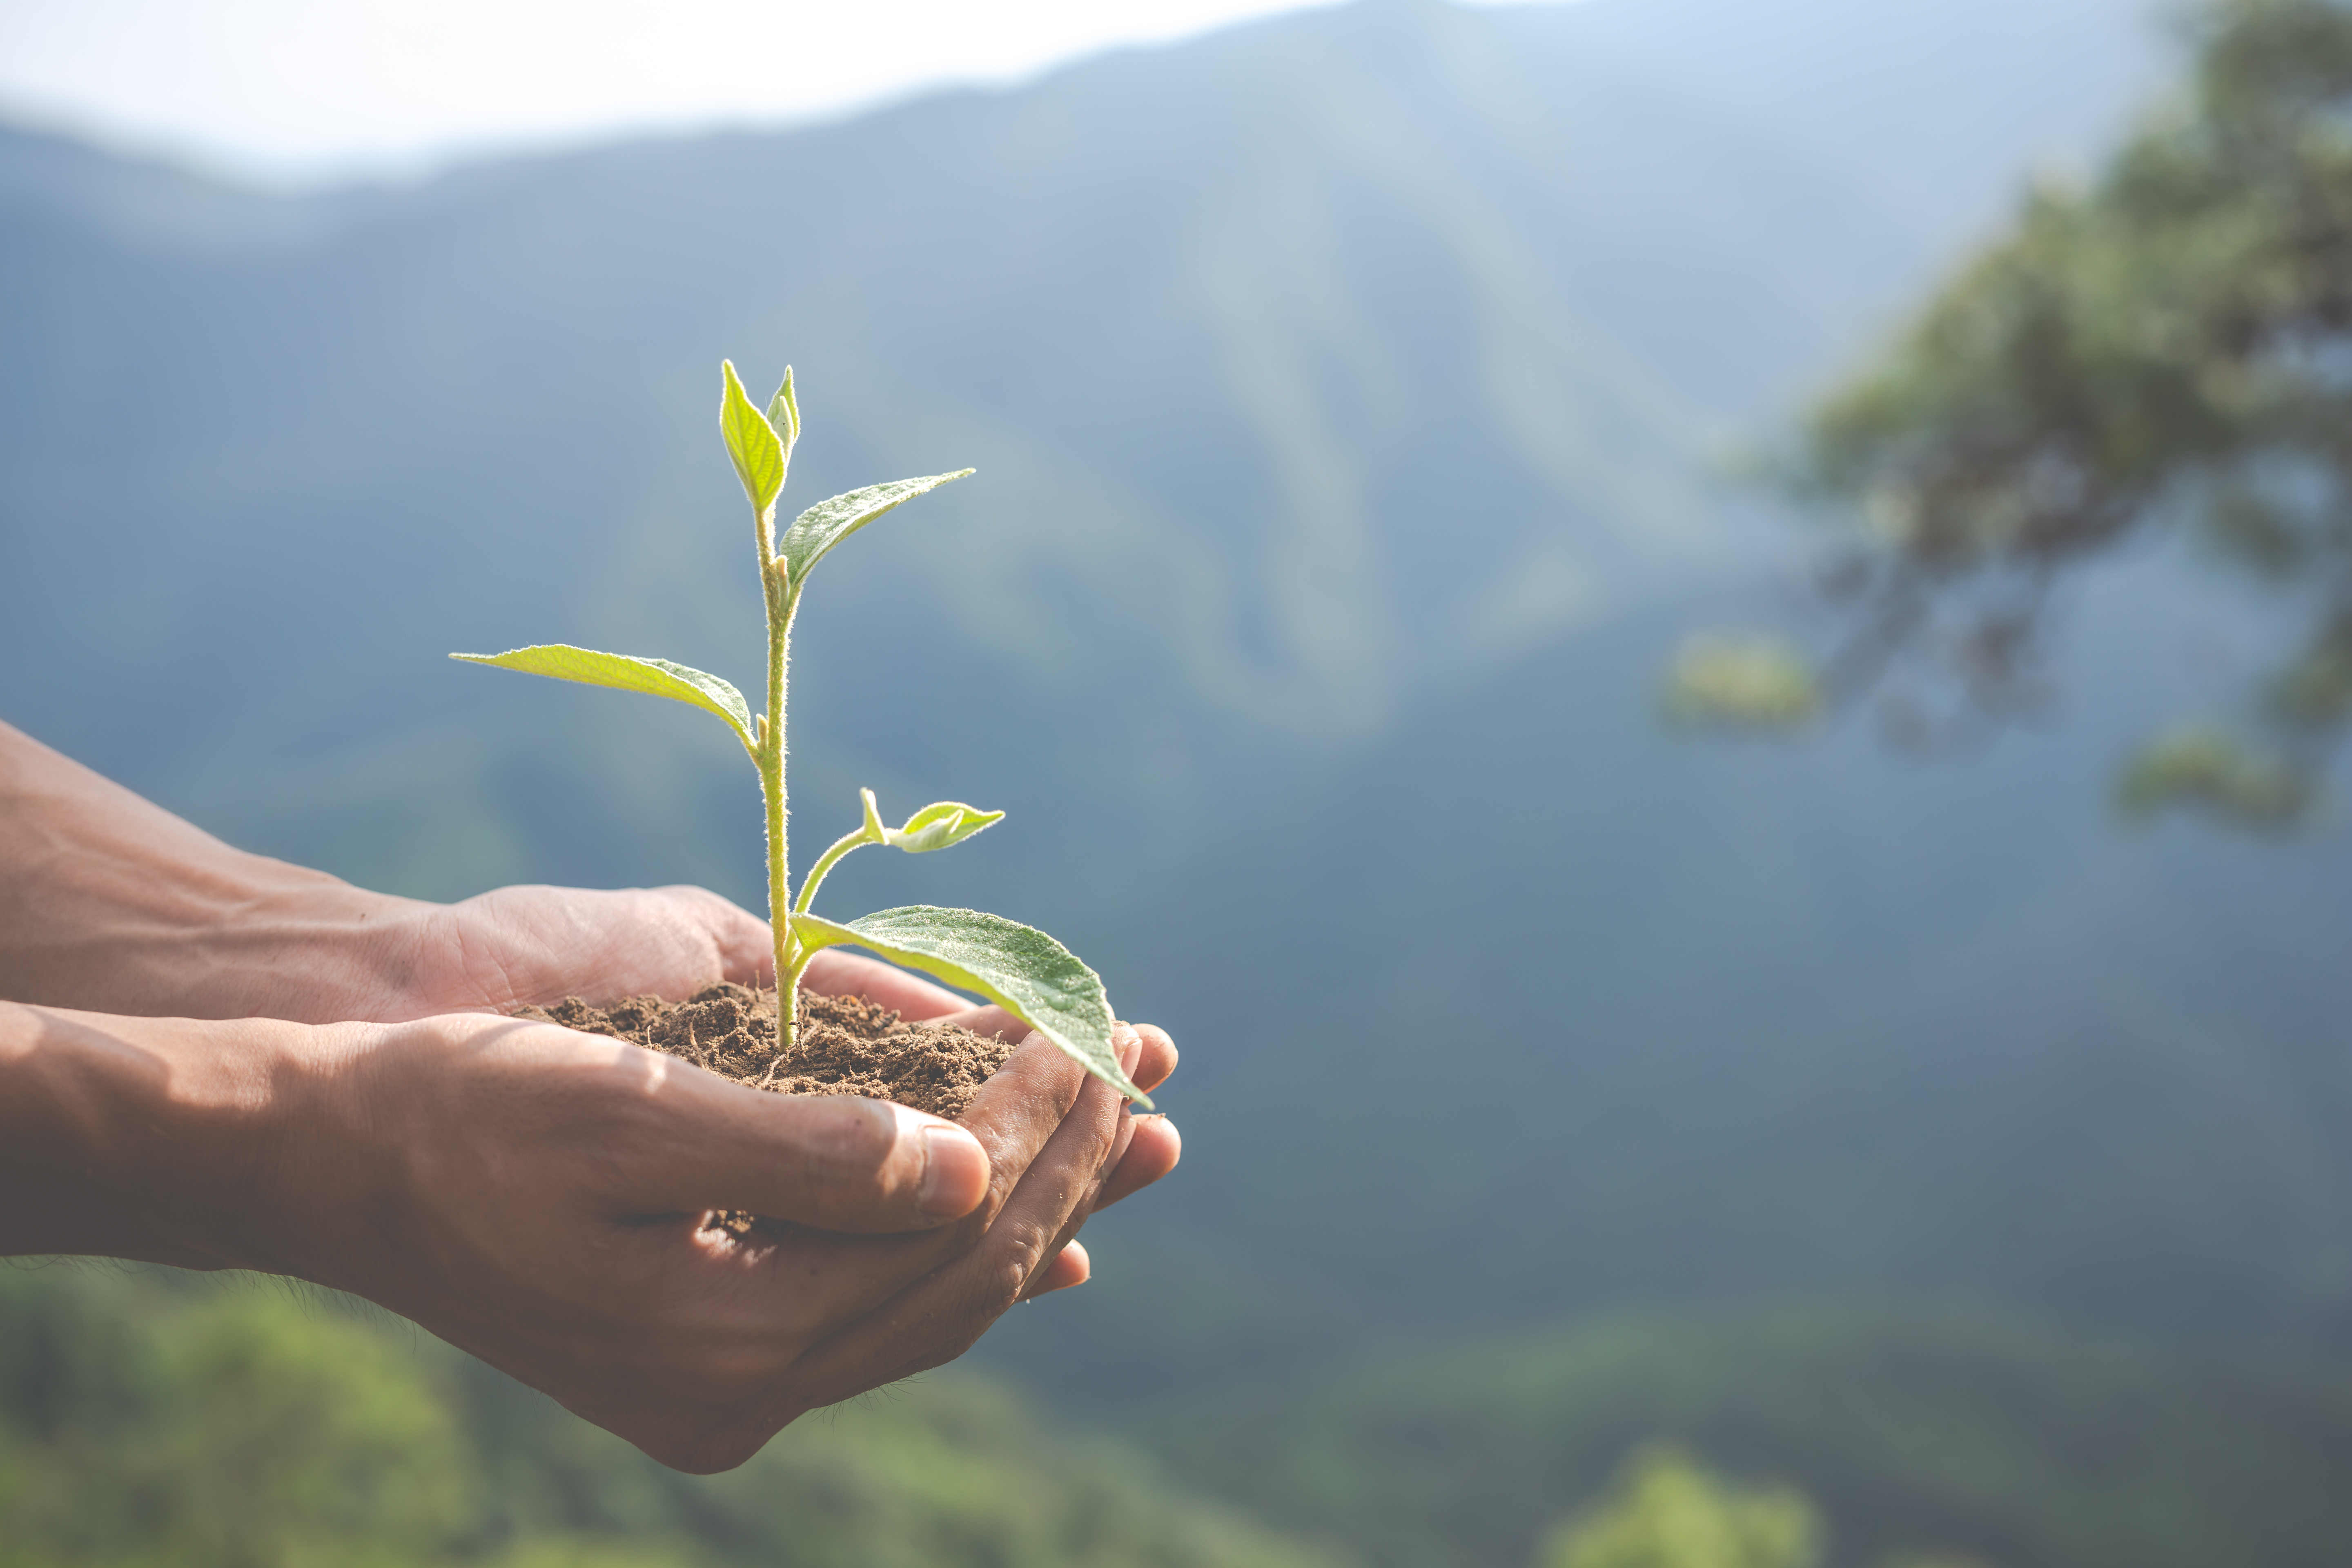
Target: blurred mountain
[
  {"x": 1348, "y": 393},
  {"x": 1310, "y": 369},
  {"x": 1543, "y": 1005}
]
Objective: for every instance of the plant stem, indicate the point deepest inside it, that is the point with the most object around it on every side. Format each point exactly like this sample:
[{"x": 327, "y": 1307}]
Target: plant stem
[
  {"x": 848, "y": 841},
  {"x": 780, "y": 602}
]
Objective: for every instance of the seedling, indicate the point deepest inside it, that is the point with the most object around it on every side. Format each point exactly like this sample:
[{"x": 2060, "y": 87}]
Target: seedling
[{"x": 1023, "y": 970}]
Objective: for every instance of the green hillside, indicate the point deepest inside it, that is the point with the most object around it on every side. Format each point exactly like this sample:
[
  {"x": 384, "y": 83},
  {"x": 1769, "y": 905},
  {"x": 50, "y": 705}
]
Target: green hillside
[
  {"x": 1954, "y": 1436},
  {"x": 152, "y": 1419},
  {"x": 1309, "y": 368}
]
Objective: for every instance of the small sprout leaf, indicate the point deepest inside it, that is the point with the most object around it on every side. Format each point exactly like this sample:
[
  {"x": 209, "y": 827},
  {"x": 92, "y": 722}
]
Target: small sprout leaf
[
  {"x": 785, "y": 413},
  {"x": 751, "y": 442},
  {"x": 1023, "y": 971},
  {"x": 829, "y": 522},
  {"x": 658, "y": 676},
  {"x": 874, "y": 832},
  {"x": 937, "y": 826}
]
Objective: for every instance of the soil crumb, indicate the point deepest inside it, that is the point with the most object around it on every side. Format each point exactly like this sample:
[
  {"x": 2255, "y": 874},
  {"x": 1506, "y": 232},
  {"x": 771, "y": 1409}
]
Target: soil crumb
[{"x": 847, "y": 1045}]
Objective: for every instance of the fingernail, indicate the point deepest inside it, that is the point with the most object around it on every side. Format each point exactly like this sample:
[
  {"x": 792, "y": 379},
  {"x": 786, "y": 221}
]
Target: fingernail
[{"x": 955, "y": 1172}]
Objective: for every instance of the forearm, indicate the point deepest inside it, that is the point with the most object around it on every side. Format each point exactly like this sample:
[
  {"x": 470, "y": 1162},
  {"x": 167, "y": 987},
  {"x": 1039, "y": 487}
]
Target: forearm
[
  {"x": 110, "y": 903},
  {"x": 169, "y": 1140}
]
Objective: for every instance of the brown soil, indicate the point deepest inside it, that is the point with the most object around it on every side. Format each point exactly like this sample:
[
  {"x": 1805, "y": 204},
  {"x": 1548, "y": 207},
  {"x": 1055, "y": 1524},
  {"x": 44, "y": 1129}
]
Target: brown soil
[{"x": 847, "y": 1045}]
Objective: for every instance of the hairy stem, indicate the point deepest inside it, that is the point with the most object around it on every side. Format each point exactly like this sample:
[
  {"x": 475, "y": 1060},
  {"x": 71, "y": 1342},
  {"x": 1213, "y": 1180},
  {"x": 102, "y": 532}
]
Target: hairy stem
[
  {"x": 780, "y": 602},
  {"x": 825, "y": 862}
]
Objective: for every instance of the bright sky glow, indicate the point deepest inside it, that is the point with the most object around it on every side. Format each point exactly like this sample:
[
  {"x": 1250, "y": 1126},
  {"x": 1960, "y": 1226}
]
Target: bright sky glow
[{"x": 299, "y": 90}]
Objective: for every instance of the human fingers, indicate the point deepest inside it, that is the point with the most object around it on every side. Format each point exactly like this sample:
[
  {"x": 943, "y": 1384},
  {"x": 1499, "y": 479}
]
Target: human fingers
[
  {"x": 836, "y": 1279},
  {"x": 1089, "y": 1200},
  {"x": 833, "y": 973},
  {"x": 1069, "y": 1266},
  {"x": 838, "y": 1162},
  {"x": 941, "y": 1318},
  {"x": 1155, "y": 1059},
  {"x": 1155, "y": 1062},
  {"x": 1152, "y": 1151}
]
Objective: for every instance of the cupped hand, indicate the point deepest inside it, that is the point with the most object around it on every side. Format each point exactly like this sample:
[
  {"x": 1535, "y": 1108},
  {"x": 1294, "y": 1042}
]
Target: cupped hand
[
  {"x": 541, "y": 1198},
  {"x": 511, "y": 946}
]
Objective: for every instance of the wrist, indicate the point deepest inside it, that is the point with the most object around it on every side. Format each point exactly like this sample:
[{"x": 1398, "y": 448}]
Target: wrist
[
  {"x": 168, "y": 1139},
  {"x": 116, "y": 906}
]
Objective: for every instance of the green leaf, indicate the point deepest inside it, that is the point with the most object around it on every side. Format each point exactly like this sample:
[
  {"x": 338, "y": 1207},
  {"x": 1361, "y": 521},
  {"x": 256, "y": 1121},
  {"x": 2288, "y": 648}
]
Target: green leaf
[
  {"x": 937, "y": 826},
  {"x": 751, "y": 442},
  {"x": 829, "y": 522},
  {"x": 657, "y": 677},
  {"x": 785, "y": 413},
  {"x": 1021, "y": 970}
]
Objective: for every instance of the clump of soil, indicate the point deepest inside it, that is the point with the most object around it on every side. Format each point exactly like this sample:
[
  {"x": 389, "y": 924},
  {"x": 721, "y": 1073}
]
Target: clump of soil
[{"x": 845, "y": 1044}]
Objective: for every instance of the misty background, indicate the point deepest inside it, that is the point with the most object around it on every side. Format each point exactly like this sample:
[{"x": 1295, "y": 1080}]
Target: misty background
[{"x": 1360, "y": 400}]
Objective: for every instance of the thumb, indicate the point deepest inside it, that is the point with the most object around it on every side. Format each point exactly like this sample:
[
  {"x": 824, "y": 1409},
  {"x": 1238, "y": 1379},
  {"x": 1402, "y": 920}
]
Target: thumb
[{"x": 834, "y": 1162}]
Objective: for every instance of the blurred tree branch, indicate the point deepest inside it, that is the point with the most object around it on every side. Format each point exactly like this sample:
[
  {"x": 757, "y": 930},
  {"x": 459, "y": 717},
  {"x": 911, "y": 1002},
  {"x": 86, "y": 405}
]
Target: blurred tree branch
[{"x": 2168, "y": 349}]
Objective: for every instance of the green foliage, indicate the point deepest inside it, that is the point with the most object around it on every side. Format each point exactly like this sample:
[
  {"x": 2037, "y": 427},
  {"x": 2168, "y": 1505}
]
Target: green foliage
[
  {"x": 226, "y": 1431},
  {"x": 1986, "y": 1440},
  {"x": 1668, "y": 1511},
  {"x": 935, "y": 826},
  {"x": 156, "y": 1420},
  {"x": 2196, "y": 768},
  {"x": 1762, "y": 685},
  {"x": 827, "y": 523},
  {"x": 1021, "y": 968},
  {"x": 2165, "y": 348},
  {"x": 655, "y": 676},
  {"x": 1026, "y": 972},
  {"x": 755, "y": 444}
]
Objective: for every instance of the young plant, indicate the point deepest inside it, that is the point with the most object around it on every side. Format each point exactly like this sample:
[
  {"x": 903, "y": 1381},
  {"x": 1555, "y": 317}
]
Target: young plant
[{"x": 1023, "y": 970}]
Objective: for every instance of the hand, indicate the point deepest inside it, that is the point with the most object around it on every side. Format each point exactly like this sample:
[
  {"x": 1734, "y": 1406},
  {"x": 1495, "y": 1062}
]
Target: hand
[
  {"x": 589, "y": 1275},
  {"x": 536, "y": 944},
  {"x": 112, "y": 904},
  {"x": 1155, "y": 1146},
  {"x": 537, "y": 1197}
]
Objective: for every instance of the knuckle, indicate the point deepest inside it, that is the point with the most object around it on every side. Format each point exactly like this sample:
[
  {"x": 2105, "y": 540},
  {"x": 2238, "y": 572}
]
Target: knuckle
[{"x": 1000, "y": 1290}]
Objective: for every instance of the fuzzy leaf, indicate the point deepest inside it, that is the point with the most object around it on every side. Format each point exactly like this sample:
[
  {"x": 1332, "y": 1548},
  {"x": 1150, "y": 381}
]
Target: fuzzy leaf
[
  {"x": 1023, "y": 970},
  {"x": 829, "y": 522},
  {"x": 785, "y": 413},
  {"x": 751, "y": 442},
  {"x": 657, "y": 677},
  {"x": 938, "y": 826}
]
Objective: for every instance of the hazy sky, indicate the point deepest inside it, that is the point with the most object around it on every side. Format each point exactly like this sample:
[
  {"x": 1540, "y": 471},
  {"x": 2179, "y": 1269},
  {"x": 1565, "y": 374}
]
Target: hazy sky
[{"x": 308, "y": 88}]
